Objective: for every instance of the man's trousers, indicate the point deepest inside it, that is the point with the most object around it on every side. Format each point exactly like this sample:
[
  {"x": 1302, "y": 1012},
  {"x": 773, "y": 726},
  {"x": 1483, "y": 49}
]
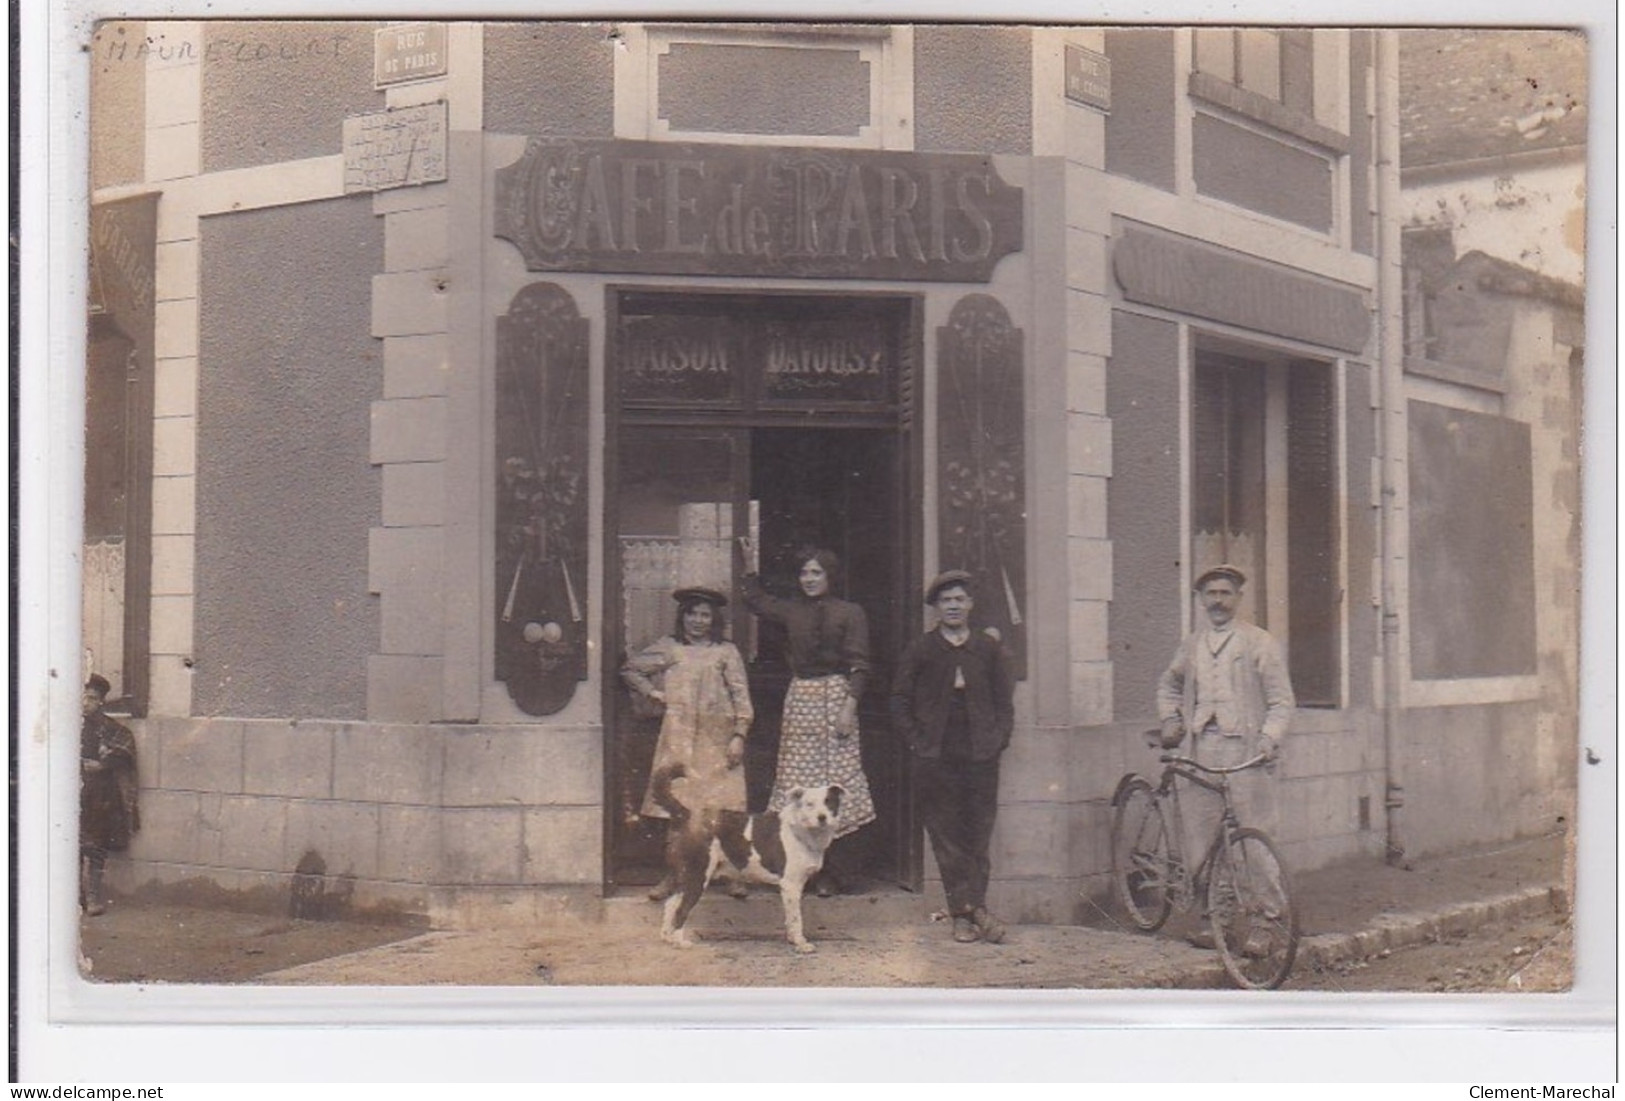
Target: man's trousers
[
  {"x": 958, "y": 800},
  {"x": 1252, "y": 793}
]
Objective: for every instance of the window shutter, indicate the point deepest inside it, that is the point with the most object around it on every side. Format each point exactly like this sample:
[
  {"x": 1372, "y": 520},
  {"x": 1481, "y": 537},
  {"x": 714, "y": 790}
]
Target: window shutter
[
  {"x": 1312, "y": 533},
  {"x": 1210, "y": 453}
]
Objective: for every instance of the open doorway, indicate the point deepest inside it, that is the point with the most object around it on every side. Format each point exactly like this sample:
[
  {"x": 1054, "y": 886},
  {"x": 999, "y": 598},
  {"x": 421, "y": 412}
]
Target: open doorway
[
  {"x": 687, "y": 481},
  {"x": 837, "y": 489}
]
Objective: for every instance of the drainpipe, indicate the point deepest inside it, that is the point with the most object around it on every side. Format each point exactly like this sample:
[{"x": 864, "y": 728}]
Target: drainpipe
[{"x": 1391, "y": 436}]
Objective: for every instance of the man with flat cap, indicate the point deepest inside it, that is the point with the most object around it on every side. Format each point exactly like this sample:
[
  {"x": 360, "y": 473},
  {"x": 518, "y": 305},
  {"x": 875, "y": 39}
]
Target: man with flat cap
[
  {"x": 1227, "y": 687},
  {"x": 951, "y": 702}
]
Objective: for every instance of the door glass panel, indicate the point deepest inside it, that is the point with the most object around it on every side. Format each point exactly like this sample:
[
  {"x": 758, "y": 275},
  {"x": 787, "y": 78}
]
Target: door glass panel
[
  {"x": 676, "y": 522},
  {"x": 677, "y": 526}
]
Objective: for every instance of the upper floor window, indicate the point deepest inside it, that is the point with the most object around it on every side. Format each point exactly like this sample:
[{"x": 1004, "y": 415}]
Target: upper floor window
[
  {"x": 1292, "y": 80},
  {"x": 1428, "y": 253},
  {"x": 801, "y": 84},
  {"x": 1276, "y": 64}
]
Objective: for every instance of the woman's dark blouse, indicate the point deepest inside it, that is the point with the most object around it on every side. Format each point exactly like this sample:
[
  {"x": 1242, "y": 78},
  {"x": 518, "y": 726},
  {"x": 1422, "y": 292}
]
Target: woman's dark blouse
[{"x": 826, "y": 635}]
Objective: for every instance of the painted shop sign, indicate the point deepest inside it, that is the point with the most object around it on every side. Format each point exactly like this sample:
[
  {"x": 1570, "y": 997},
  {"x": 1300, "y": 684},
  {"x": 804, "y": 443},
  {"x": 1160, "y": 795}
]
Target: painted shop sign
[
  {"x": 679, "y": 358},
  {"x": 664, "y": 208},
  {"x": 1175, "y": 273},
  {"x": 837, "y": 360},
  {"x": 716, "y": 359},
  {"x": 397, "y": 148}
]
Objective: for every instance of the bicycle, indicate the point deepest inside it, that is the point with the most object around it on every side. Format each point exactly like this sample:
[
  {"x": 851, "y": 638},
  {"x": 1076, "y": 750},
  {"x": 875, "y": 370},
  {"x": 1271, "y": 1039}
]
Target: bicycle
[{"x": 1241, "y": 875}]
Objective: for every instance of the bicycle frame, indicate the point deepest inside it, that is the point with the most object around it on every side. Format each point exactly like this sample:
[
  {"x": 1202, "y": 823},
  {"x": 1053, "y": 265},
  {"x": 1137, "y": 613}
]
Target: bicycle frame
[
  {"x": 1187, "y": 880},
  {"x": 1254, "y": 924}
]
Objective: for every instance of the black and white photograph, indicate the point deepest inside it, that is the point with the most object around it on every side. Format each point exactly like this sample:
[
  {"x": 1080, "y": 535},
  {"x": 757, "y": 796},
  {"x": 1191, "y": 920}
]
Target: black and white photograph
[{"x": 731, "y": 505}]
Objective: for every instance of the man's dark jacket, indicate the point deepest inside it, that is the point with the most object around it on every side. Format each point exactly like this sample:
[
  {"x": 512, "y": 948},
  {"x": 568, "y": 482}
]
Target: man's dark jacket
[
  {"x": 924, "y": 685},
  {"x": 109, "y": 799}
]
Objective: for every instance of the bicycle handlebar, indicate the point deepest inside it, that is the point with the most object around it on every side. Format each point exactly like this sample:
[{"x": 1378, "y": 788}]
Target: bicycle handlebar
[{"x": 1217, "y": 770}]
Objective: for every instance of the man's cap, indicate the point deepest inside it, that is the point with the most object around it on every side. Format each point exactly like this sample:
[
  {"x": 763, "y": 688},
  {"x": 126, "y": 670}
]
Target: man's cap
[
  {"x": 99, "y": 685},
  {"x": 699, "y": 593},
  {"x": 945, "y": 580},
  {"x": 1224, "y": 569}
]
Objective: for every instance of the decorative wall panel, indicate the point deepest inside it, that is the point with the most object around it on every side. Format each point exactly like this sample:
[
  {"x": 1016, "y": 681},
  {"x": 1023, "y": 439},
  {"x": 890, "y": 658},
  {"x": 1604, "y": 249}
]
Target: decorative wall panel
[
  {"x": 541, "y": 511},
  {"x": 981, "y": 463}
]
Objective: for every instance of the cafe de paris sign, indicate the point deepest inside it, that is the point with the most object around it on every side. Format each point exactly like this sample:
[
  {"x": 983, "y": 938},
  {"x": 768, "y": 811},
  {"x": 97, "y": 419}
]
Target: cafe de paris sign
[{"x": 670, "y": 209}]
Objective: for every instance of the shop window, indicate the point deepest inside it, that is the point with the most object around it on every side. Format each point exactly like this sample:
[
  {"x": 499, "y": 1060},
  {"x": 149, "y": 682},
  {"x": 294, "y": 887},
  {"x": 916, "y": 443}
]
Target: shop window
[{"x": 1263, "y": 497}]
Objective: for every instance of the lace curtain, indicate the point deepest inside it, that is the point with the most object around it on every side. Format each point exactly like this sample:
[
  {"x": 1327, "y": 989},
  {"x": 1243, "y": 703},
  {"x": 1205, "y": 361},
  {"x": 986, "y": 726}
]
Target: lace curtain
[
  {"x": 102, "y": 618},
  {"x": 653, "y": 566}
]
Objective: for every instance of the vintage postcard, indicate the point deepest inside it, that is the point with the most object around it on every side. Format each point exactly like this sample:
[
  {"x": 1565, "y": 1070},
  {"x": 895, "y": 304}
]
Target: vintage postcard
[{"x": 734, "y": 504}]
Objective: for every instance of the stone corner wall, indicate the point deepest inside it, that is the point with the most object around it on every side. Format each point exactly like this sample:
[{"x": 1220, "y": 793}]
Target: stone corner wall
[{"x": 375, "y": 818}]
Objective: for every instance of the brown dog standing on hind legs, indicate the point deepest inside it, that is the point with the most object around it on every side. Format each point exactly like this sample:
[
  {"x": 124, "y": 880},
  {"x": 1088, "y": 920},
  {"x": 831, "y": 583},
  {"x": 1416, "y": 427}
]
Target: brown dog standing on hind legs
[{"x": 784, "y": 848}]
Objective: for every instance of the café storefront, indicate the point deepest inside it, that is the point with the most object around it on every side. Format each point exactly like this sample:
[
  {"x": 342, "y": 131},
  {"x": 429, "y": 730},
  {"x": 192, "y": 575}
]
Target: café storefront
[{"x": 749, "y": 389}]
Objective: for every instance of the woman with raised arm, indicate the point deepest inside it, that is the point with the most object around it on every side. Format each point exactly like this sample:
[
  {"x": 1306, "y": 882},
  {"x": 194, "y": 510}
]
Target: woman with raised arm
[{"x": 828, "y": 653}]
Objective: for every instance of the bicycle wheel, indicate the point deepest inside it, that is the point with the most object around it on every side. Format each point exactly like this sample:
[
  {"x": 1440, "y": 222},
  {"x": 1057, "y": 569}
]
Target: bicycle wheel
[
  {"x": 1142, "y": 869},
  {"x": 1249, "y": 901}
]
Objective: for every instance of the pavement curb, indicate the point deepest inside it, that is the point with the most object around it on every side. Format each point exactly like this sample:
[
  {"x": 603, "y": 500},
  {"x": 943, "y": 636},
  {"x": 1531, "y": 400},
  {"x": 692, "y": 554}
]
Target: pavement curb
[{"x": 1394, "y": 931}]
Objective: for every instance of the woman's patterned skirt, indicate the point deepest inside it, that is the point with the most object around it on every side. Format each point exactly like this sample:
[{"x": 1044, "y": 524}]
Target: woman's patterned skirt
[{"x": 812, "y": 754}]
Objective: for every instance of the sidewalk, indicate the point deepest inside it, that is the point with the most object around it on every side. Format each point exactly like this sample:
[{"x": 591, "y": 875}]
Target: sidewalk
[{"x": 1349, "y": 912}]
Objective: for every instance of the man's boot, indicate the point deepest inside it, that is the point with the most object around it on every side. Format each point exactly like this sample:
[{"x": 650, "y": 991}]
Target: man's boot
[
  {"x": 991, "y": 928},
  {"x": 96, "y": 901}
]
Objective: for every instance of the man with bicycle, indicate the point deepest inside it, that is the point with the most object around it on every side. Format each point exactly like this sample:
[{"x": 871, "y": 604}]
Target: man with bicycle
[{"x": 1228, "y": 687}]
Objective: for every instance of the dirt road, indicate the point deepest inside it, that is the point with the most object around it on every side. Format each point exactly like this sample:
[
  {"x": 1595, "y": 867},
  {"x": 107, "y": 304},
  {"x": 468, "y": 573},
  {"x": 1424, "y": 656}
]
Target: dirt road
[
  {"x": 157, "y": 942},
  {"x": 743, "y": 947},
  {"x": 882, "y": 941}
]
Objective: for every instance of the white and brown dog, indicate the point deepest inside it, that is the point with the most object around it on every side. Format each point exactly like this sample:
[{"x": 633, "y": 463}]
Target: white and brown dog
[{"x": 784, "y": 848}]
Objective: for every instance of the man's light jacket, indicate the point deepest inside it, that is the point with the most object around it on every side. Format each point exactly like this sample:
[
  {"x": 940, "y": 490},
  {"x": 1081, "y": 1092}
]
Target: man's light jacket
[{"x": 1262, "y": 691}]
